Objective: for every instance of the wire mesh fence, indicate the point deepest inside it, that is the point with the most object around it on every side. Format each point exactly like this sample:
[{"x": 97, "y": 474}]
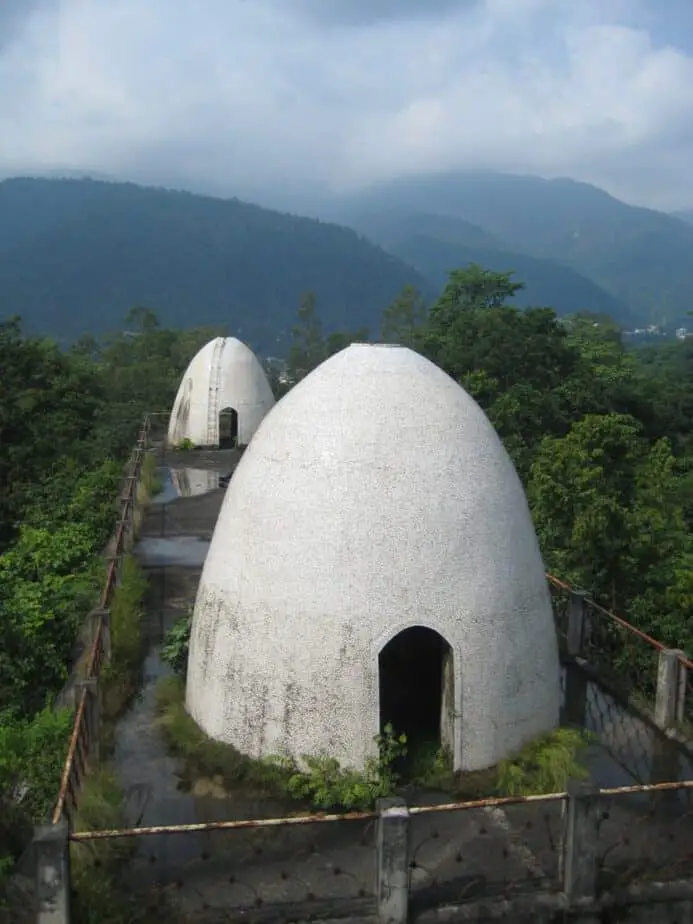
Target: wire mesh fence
[
  {"x": 485, "y": 851},
  {"x": 301, "y": 863},
  {"x": 560, "y": 600},
  {"x": 621, "y": 653},
  {"x": 645, "y": 836},
  {"x": 624, "y": 735}
]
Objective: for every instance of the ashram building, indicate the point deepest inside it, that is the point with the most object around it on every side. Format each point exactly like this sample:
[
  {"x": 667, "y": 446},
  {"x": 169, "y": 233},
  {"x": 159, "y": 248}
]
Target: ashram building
[
  {"x": 374, "y": 561},
  {"x": 222, "y": 398}
]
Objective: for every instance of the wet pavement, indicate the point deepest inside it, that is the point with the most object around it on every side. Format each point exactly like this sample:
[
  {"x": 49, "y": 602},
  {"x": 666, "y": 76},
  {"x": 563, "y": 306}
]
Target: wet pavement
[{"x": 453, "y": 855}]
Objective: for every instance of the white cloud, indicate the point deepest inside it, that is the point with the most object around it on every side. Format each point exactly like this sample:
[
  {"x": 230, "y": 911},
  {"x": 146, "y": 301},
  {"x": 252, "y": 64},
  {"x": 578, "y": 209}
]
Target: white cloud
[{"x": 251, "y": 95}]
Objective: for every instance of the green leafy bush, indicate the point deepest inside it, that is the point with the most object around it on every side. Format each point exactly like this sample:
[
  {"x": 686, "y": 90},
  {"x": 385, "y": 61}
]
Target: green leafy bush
[
  {"x": 545, "y": 765},
  {"x": 32, "y": 753},
  {"x": 329, "y": 785},
  {"x": 49, "y": 580},
  {"x": 176, "y": 644}
]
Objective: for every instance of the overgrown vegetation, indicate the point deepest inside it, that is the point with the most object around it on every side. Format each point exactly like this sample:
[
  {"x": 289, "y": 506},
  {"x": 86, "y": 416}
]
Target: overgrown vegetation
[
  {"x": 320, "y": 782},
  {"x": 68, "y": 421},
  {"x": 102, "y": 888},
  {"x": 545, "y": 765},
  {"x": 174, "y": 651},
  {"x": 121, "y": 674}
]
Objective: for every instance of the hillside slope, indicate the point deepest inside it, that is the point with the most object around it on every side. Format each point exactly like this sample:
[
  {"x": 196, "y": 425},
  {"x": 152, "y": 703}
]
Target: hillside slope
[
  {"x": 436, "y": 244},
  {"x": 75, "y": 255},
  {"x": 641, "y": 257}
]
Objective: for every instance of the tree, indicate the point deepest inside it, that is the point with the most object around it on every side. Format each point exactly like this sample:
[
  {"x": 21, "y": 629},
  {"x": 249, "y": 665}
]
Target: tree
[
  {"x": 403, "y": 320},
  {"x": 308, "y": 347},
  {"x": 606, "y": 507}
]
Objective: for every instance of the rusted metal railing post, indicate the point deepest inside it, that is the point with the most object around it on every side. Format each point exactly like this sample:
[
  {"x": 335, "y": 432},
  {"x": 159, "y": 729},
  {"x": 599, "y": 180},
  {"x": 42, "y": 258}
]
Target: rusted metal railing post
[
  {"x": 580, "y": 864},
  {"x": 52, "y": 857},
  {"x": 102, "y": 625},
  {"x": 577, "y": 623},
  {"x": 392, "y": 861},
  {"x": 669, "y": 702},
  {"x": 92, "y": 716}
]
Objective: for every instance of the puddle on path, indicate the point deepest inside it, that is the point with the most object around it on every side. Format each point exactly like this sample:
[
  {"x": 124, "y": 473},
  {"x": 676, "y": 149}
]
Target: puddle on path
[
  {"x": 173, "y": 551},
  {"x": 185, "y": 481}
]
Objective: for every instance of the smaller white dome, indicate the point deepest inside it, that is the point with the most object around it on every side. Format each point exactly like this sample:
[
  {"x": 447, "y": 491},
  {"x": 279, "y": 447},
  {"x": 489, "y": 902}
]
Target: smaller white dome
[{"x": 224, "y": 394}]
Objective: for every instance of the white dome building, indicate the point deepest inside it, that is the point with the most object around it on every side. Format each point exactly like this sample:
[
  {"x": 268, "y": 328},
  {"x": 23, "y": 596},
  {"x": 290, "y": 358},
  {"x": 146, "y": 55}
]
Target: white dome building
[
  {"x": 222, "y": 398},
  {"x": 374, "y": 560}
]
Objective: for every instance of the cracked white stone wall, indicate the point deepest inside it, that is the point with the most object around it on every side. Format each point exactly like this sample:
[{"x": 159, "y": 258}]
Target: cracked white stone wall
[
  {"x": 224, "y": 373},
  {"x": 375, "y": 496}
]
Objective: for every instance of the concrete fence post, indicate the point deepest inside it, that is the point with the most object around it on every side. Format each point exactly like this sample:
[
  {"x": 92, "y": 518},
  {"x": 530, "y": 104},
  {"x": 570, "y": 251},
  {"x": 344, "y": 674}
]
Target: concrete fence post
[
  {"x": 392, "y": 861},
  {"x": 52, "y": 857},
  {"x": 577, "y": 623},
  {"x": 580, "y": 864},
  {"x": 669, "y": 701}
]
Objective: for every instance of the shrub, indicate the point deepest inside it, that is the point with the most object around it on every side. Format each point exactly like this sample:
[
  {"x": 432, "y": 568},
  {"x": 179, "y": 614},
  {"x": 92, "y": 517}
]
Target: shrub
[
  {"x": 32, "y": 753},
  {"x": 175, "y": 648},
  {"x": 545, "y": 765},
  {"x": 329, "y": 785}
]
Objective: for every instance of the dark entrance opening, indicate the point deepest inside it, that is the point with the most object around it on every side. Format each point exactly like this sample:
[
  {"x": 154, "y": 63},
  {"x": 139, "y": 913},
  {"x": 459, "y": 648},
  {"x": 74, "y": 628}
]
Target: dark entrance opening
[
  {"x": 228, "y": 428},
  {"x": 416, "y": 682}
]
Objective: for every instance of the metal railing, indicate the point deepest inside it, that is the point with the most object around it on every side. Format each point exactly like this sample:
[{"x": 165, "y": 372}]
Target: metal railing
[
  {"x": 84, "y": 739},
  {"x": 580, "y": 844},
  {"x": 617, "y": 649}
]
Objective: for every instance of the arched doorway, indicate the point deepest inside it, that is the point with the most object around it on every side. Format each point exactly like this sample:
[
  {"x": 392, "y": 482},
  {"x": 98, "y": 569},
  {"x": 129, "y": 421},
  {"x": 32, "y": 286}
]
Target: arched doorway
[
  {"x": 417, "y": 692},
  {"x": 228, "y": 428}
]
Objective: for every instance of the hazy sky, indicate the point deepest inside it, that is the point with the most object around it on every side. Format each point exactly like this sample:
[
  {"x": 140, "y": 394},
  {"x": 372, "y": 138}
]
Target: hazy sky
[{"x": 264, "y": 98}]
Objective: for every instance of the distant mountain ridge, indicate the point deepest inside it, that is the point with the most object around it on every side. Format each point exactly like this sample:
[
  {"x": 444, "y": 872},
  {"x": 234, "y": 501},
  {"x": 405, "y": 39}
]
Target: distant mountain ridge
[
  {"x": 640, "y": 257},
  {"x": 76, "y": 255},
  {"x": 436, "y": 244}
]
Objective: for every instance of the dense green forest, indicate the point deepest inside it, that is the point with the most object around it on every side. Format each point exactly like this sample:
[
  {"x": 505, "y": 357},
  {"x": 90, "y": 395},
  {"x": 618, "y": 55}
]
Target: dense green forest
[
  {"x": 638, "y": 256},
  {"x": 77, "y": 254},
  {"x": 602, "y": 438}
]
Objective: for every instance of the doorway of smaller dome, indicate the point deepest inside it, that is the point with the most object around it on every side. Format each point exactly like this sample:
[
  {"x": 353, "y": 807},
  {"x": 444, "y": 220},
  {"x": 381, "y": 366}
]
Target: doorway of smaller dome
[
  {"x": 228, "y": 428},
  {"x": 416, "y": 687}
]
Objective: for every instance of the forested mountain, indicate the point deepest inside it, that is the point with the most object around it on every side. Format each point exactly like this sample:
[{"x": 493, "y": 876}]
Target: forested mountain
[
  {"x": 686, "y": 215},
  {"x": 435, "y": 244},
  {"x": 75, "y": 255},
  {"x": 639, "y": 256}
]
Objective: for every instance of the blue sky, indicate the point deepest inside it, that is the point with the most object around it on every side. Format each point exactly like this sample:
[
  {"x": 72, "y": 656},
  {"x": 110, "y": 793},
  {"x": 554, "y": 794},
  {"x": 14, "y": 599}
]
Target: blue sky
[{"x": 270, "y": 99}]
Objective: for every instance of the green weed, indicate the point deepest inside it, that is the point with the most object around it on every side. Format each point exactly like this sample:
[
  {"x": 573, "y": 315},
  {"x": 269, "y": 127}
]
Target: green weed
[{"x": 121, "y": 675}]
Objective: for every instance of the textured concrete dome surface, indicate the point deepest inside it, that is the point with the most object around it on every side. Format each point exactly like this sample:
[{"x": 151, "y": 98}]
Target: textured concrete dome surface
[
  {"x": 225, "y": 373},
  {"x": 376, "y": 496}
]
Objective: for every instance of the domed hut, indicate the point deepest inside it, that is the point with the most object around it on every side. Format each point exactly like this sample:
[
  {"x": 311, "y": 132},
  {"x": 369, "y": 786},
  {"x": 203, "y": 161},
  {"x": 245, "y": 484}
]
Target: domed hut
[
  {"x": 222, "y": 397},
  {"x": 374, "y": 561}
]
